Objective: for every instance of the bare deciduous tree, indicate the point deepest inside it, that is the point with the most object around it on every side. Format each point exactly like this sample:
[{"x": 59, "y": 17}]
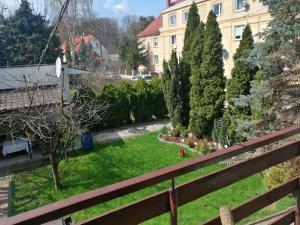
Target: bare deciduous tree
[{"x": 53, "y": 124}]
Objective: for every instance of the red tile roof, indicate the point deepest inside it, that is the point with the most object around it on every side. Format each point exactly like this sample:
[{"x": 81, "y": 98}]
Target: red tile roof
[
  {"x": 76, "y": 42},
  {"x": 152, "y": 29}
]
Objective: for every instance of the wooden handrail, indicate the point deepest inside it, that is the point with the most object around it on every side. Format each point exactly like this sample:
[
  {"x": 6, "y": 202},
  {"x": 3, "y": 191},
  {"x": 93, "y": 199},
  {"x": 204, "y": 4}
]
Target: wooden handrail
[
  {"x": 248, "y": 208},
  {"x": 286, "y": 219},
  {"x": 157, "y": 204},
  {"x": 86, "y": 200}
]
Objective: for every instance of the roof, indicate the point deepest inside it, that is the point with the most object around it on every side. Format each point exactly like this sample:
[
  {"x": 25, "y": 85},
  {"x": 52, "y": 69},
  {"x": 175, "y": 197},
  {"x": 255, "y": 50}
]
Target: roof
[
  {"x": 77, "y": 41},
  {"x": 14, "y": 99},
  {"x": 14, "y": 77},
  {"x": 178, "y": 4},
  {"x": 152, "y": 29}
]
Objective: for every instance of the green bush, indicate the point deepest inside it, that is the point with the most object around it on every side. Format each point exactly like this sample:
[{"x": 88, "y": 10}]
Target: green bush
[
  {"x": 277, "y": 175},
  {"x": 175, "y": 132},
  {"x": 203, "y": 147},
  {"x": 110, "y": 95},
  {"x": 182, "y": 130},
  {"x": 142, "y": 109},
  {"x": 165, "y": 130},
  {"x": 158, "y": 105},
  {"x": 127, "y": 96}
]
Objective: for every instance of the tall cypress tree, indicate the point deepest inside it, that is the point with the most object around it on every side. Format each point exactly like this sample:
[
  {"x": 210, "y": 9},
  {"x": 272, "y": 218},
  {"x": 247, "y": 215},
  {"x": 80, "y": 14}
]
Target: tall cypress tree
[
  {"x": 166, "y": 84},
  {"x": 196, "y": 84},
  {"x": 212, "y": 82},
  {"x": 191, "y": 27},
  {"x": 242, "y": 72},
  {"x": 176, "y": 103},
  {"x": 185, "y": 63}
]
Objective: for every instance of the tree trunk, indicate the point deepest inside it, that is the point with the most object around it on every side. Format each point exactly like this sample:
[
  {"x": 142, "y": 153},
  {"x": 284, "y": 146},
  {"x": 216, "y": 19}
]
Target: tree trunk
[{"x": 54, "y": 165}]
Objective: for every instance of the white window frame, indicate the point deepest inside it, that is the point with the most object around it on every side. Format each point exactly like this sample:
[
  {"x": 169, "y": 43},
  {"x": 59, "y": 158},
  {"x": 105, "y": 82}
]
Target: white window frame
[
  {"x": 171, "y": 40},
  {"x": 220, "y": 8},
  {"x": 155, "y": 42},
  {"x": 156, "y": 59},
  {"x": 241, "y": 9},
  {"x": 170, "y": 20},
  {"x": 234, "y": 32},
  {"x": 184, "y": 19}
]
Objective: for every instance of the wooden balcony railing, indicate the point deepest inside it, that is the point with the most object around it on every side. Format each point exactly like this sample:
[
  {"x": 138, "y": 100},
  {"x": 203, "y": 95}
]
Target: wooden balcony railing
[{"x": 170, "y": 200}]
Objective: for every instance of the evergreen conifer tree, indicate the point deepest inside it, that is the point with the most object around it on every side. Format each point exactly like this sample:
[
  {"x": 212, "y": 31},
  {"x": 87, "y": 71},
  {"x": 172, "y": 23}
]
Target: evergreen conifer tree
[
  {"x": 211, "y": 83},
  {"x": 196, "y": 84},
  {"x": 185, "y": 63},
  {"x": 166, "y": 85},
  {"x": 142, "y": 109},
  {"x": 158, "y": 102},
  {"x": 176, "y": 103},
  {"x": 83, "y": 53},
  {"x": 185, "y": 73},
  {"x": 242, "y": 73},
  {"x": 25, "y": 35},
  {"x": 190, "y": 31}
]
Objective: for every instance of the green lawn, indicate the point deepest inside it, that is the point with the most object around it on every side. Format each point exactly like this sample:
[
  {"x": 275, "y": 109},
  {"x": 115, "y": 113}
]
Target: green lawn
[{"x": 118, "y": 161}]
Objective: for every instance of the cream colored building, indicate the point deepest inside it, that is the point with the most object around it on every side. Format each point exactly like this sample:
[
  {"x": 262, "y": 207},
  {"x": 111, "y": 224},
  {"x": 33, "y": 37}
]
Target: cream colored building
[{"x": 166, "y": 33}]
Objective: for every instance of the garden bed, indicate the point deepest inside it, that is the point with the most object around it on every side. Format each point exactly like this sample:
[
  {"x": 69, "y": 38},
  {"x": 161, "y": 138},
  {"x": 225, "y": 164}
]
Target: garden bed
[{"x": 201, "y": 145}]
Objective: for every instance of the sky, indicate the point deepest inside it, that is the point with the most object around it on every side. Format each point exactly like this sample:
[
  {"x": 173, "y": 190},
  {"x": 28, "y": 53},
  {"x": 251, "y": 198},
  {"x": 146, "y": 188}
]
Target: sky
[{"x": 110, "y": 8}]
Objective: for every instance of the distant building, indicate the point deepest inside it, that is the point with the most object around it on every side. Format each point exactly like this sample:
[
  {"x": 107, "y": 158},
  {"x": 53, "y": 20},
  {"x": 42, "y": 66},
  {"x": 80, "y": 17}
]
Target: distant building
[
  {"x": 100, "y": 53},
  {"x": 166, "y": 33}
]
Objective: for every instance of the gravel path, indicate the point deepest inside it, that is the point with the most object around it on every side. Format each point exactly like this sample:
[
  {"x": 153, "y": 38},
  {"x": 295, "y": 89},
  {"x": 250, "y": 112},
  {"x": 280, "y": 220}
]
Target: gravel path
[{"x": 129, "y": 131}]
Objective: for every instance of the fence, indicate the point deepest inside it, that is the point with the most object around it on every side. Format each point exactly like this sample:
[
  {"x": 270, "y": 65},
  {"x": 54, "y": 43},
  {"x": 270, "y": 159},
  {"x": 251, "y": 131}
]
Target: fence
[{"x": 170, "y": 200}]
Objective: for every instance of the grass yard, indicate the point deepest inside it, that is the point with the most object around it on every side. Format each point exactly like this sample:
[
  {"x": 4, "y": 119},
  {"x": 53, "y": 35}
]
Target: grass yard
[{"x": 111, "y": 163}]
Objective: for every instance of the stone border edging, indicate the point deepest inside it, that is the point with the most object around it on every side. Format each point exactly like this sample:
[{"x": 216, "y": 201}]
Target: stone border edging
[{"x": 174, "y": 143}]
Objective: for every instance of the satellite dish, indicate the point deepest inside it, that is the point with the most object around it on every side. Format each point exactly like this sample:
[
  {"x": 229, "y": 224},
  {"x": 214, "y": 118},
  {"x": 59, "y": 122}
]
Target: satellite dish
[{"x": 58, "y": 67}]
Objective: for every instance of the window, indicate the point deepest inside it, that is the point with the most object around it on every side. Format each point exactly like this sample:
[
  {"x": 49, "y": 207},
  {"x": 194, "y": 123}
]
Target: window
[
  {"x": 217, "y": 8},
  {"x": 238, "y": 32},
  {"x": 185, "y": 17},
  {"x": 240, "y": 5},
  {"x": 155, "y": 60},
  {"x": 172, "y": 20},
  {"x": 173, "y": 40},
  {"x": 155, "y": 42}
]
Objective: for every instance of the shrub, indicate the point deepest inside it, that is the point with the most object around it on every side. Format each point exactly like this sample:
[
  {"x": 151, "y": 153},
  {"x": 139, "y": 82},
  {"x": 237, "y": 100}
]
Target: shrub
[
  {"x": 277, "y": 175},
  {"x": 111, "y": 96},
  {"x": 190, "y": 143},
  {"x": 184, "y": 132},
  {"x": 142, "y": 103},
  {"x": 165, "y": 130},
  {"x": 175, "y": 132},
  {"x": 203, "y": 147},
  {"x": 127, "y": 96},
  {"x": 158, "y": 105}
]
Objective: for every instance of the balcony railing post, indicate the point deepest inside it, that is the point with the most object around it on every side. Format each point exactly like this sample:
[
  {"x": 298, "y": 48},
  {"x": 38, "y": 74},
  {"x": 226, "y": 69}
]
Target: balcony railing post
[
  {"x": 173, "y": 204},
  {"x": 297, "y": 214}
]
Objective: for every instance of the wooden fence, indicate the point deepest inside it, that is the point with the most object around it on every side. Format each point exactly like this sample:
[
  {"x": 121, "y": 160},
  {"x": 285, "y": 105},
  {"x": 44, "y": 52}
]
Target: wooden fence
[{"x": 170, "y": 200}]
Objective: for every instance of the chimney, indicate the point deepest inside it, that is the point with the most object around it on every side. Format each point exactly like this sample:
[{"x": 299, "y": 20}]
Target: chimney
[{"x": 168, "y": 3}]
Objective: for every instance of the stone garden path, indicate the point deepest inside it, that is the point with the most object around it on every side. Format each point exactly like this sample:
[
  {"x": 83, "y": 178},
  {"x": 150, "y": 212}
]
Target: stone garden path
[{"x": 129, "y": 131}]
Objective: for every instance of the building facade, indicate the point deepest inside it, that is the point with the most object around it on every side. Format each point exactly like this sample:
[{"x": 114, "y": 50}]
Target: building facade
[
  {"x": 166, "y": 33},
  {"x": 100, "y": 53}
]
